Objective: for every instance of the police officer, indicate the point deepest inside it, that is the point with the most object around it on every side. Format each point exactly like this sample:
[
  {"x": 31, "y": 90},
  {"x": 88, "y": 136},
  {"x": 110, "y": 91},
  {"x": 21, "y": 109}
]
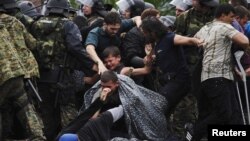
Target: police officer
[
  {"x": 29, "y": 9},
  {"x": 131, "y": 8},
  {"x": 94, "y": 11},
  {"x": 59, "y": 53},
  {"x": 17, "y": 63},
  {"x": 169, "y": 60}
]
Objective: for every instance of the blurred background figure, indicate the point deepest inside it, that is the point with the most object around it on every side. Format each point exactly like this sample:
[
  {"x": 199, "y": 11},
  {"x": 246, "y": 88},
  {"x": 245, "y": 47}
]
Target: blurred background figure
[
  {"x": 29, "y": 9},
  {"x": 92, "y": 8},
  {"x": 94, "y": 11},
  {"x": 238, "y": 2},
  {"x": 180, "y": 6},
  {"x": 131, "y": 8},
  {"x": 168, "y": 21}
]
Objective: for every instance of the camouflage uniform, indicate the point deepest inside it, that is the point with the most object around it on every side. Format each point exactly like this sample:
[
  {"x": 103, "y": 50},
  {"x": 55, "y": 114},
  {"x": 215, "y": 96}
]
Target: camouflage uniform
[
  {"x": 17, "y": 62},
  {"x": 188, "y": 24},
  {"x": 14, "y": 11},
  {"x": 59, "y": 48},
  {"x": 26, "y": 20}
]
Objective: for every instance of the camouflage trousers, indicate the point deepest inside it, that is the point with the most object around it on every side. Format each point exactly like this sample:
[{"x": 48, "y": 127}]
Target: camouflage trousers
[
  {"x": 56, "y": 116},
  {"x": 13, "y": 93},
  {"x": 185, "y": 112}
]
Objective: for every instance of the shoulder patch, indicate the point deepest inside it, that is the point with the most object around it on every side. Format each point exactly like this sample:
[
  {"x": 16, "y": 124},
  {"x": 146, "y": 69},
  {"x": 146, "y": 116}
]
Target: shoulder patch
[{"x": 45, "y": 21}]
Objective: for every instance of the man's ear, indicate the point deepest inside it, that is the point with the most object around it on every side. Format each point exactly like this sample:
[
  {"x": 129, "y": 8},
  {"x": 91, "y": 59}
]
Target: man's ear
[
  {"x": 223, "y": 15},
  {"x": 119, "y": 57}
]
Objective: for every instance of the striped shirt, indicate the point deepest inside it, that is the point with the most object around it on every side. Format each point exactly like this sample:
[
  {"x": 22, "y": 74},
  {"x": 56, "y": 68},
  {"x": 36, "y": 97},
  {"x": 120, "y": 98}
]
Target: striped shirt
[{"x": 217, "y": 50}]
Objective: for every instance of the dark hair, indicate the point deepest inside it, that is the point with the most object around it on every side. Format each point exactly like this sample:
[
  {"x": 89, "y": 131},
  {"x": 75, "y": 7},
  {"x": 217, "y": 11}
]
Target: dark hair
[
  {"x": 112, "y": 18},
  {"x": 224, "y": 9},
  {"x": 241, "y": 11},
  {"x": 239, "y": 2},
  {"x": 149, "y": 12},
  {"x": 111, "y": 50},
  {"x": 154, "y": 25},
  {"x": 109, "y": 75}
]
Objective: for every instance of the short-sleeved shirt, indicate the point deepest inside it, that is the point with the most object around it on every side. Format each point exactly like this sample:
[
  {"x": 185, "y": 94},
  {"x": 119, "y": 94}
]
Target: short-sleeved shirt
[
  {"x": 170, "y": 58},
  {"x": 217, "y": 50},
  {"x": 101, "y": 39}
]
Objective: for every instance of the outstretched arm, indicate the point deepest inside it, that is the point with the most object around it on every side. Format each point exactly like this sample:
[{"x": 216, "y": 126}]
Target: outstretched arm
[
  {"x": 182, "y": 40},
  {"x": 93, "y": 55}
]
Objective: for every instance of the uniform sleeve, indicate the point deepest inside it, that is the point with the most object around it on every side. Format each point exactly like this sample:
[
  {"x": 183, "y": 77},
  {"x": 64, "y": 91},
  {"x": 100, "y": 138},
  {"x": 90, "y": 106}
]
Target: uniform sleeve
[
  {"x": 74, "y": 45},
  {"x": 180, "y": 25},
  {"x": 25, "y": 20},
  {"x": 30, "y": 41}
]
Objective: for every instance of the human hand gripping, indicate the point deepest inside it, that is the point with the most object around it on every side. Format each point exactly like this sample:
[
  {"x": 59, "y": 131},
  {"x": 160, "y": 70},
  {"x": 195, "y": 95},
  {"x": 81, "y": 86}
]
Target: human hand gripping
[
  {"x": 149, "y": 58},
  {"x": 104, "y": 93},
  {"x": 101, "y": 68},
  {"x": 200, "y": 42}
]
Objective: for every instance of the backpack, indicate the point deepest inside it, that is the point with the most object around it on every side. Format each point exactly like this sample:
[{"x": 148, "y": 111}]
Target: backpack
[{"x": 51, "y": 50}]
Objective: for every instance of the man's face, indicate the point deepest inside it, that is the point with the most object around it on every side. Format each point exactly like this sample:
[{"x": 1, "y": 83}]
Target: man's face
[
  {"x": 111, "y": 85},
  {"x": 86, "y": 10},
  {"x": 111, "y": 62},
  {"x": 228, "y": 18},
  {"x": 243, "y": 21},
  {"x": 149, "y": 37},
  {"x": 126, "y": 14},
  {"x": 112, "y": 29}
]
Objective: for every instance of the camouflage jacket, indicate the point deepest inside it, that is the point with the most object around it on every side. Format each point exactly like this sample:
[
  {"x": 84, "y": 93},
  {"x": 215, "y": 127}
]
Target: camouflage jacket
[
  {"x": 188, "y": 24},
  {"x": 23, "y": 41},
  {"x": 59, "y": 37},
  {"x": 24, "y": 19},
  {"x": 51, "y": 50},
  {"x": 15, "y": 58},
  {"x": 191, "y": 21}
]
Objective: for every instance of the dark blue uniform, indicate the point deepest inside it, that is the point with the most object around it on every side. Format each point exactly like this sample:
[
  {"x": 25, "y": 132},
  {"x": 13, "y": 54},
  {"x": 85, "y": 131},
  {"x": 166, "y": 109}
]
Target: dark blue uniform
[{"x": 174, "y": 74}]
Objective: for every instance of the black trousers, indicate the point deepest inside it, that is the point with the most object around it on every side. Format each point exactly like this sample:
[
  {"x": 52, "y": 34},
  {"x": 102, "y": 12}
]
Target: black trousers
[
  {"x": 217, "y": 104},
  {"x": 174, "y": 91},
  {"x": 97, "y": 129}
]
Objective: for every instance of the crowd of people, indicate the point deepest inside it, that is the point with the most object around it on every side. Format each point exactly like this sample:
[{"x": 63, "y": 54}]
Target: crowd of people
[{"x": 128, "y": 74}]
